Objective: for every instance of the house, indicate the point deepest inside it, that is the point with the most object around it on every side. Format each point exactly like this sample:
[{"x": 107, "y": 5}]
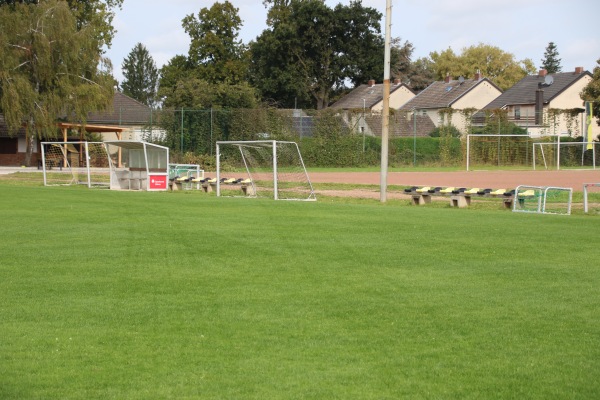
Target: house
[
  {"x": 126, "y": 112},
  {"x": 546, "y": 104},
  {"x": 460, "y": 94},
  {"x": 366, "y": 102},
  {"x": 127, "y": 119}
]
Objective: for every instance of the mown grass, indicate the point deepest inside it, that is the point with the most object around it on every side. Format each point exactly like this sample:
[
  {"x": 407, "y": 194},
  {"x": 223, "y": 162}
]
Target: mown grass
[{"x": 134, "y": 295}]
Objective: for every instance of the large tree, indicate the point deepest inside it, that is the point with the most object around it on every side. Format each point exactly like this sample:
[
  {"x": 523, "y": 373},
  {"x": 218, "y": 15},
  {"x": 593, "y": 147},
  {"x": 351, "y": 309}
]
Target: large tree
[
  {"x": 141, "y": 76},
  {"x": 497, "y": 65},
  {"x": 216, "y": 53},
  {"x": 217, "y": 58},
  {"x": 551, "y": 62},
  {"x": 49, "y": 67},
  {"x": 309, "y": 50},
  {"x": 96, "y": 14}
]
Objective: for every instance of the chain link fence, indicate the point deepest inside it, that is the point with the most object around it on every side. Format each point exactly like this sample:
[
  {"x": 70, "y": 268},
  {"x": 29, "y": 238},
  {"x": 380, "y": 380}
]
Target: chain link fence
[{"x": 342, "y": 138}]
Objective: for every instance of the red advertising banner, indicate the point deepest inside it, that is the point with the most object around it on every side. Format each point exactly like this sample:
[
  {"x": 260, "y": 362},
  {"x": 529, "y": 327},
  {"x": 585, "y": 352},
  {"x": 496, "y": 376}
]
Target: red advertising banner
[{"x": 158, "y": 182}]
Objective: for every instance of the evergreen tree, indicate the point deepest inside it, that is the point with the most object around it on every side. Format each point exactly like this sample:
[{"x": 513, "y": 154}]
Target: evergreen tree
[
  {"x": 551, "y": 62},
  {"x": 141, "y": 76},
  {"x": 49, "y": 68}
]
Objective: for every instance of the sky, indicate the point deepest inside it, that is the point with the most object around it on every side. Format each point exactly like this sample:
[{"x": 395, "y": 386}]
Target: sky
[{"x": 522, "y": 28}]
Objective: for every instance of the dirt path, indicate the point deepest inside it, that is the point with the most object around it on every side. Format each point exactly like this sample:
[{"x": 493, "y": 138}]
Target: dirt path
[{"x": 482, "y": 179}]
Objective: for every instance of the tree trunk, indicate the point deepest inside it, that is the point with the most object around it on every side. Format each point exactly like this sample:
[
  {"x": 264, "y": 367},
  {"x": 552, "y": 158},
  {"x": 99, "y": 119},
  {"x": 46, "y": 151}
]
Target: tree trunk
[{"x": 28, "y": 147}]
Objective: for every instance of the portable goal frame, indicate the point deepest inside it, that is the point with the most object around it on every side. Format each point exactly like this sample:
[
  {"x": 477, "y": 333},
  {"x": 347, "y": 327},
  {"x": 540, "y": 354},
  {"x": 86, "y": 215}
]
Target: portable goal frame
[
  {"x": 281, "y": 176},
  {"x": 534, "y": 199},
  {"x": 75, "y": 163}
]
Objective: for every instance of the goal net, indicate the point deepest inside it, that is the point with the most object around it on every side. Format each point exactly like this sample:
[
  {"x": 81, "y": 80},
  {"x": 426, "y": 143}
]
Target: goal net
[
  {"x": 263, "y": 168},
  {"x": 509, "y": 151},
  {"x": 567, "y": 155},
  {"x": 75, "y": 163}
]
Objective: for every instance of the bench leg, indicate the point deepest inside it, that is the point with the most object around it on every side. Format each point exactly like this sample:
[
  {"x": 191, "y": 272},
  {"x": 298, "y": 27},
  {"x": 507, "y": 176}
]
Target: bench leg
[
  {"x": 421, "y": 200},
  {"x": 460, "y": 201}
]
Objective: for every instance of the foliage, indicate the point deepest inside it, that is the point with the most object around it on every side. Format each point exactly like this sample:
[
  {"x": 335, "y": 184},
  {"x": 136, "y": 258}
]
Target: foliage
[
  {"x": 310, "y": 49},
  {"x": 496, "y": 122},
  {"x": 49, "y": 68},
  {"x": 551, "y": 62},
  {"x": 199, "y": 95},
  {"x": 89, "y": 13},
  {"x": 450, "y": 130},
  {"x": 214, "y": 73},
  {"x": 498, "y": 66},
  {"x": 421, "y": 74},
  {"x": 592, "y": 92},
  {"x": 216, "y": 54},
  {"x": 141, "y": 76}
]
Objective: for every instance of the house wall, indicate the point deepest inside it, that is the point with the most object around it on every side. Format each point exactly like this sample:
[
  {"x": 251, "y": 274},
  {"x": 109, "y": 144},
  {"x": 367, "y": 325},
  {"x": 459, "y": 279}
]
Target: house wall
[
  {"x": 570, "y": 99},
  {"x": 397, "y": 99},
  {"x": 478, "y": 97}
]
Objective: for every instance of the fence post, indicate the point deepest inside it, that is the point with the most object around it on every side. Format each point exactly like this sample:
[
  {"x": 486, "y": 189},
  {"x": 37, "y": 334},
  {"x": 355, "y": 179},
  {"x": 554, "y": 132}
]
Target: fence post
[{"x": 181, "y": 147}]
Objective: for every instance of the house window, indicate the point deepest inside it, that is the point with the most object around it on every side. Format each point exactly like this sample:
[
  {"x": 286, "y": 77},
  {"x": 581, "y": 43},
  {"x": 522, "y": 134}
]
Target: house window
[
  {"x": 517, "y": 112},
  {"x": 8, "y": 145}
]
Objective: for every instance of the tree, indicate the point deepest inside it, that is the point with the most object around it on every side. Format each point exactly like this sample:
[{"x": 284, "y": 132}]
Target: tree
[
  {"x": 49, "y": 67},
  {"x": 499, "y": 66},
  {"x": 199, "y": 95},
  {"x": 310, "y": 50},
  {"x": 98, "y": 14},
  {"x": 216, "y": 54},
  {"x": 217, "y": 62},
  {"x": 551, "y": 62},
  {"x": 141, "y": 76},
  {"x": 592, "y": 92},
  {"x": 421, "y": 74}
]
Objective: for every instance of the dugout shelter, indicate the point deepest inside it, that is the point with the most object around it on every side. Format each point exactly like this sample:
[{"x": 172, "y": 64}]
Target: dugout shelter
[{"x": 137, "y": 165}]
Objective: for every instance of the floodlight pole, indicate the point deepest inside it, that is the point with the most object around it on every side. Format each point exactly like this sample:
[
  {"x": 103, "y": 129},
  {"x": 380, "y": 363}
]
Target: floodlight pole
[{"x": 386, "y": 103}]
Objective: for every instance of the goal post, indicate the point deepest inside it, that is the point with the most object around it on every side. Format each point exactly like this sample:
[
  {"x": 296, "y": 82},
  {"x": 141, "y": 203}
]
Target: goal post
[
  {"x": 75, "y": 163},
  {"x": 262, "y": 168}
]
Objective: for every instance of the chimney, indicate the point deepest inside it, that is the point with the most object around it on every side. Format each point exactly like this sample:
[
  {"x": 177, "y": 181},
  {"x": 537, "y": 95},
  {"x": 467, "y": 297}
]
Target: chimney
[
  {"x": 478, "y": 75},
  {"x": 543, "y": 73},
  {"x": 539, "y": 105},
  {"x": 578, "y": 70},
  {"x": 371, "y": 82},
  {"x": 447, "y": 79},
  {"x": 396, "y": 82}
]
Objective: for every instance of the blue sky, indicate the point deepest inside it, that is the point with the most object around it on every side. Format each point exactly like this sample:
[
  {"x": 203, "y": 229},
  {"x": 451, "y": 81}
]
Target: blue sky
[{"x": 523, "y": 28}]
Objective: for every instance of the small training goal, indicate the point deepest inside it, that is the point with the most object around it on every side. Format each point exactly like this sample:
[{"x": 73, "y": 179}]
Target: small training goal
[
  {"x": 543, "y": 199},
  {"x": 75, "y": 163},
  {"x": 262, "y": 168}
]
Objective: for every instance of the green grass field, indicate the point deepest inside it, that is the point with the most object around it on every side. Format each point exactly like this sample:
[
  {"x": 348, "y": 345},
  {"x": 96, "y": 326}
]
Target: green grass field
[{"x": 135, "y": 295}]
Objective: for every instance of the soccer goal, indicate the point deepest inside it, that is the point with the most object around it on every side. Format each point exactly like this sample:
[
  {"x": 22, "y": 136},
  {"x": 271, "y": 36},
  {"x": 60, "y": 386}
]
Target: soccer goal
[
  {"x": 485, "y": 151},
  {"x": 566, "y": 155},
  {"x": 591, "y": 197},
  {"x": 543, "y": 200},
  {"x": 262, "y": 168},
  {"x": 75, "y": 163}
]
